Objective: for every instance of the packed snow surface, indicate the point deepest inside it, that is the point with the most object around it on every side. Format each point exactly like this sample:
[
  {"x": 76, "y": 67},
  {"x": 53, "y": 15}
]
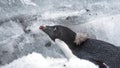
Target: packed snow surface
[{"x": 36, "y": 60}]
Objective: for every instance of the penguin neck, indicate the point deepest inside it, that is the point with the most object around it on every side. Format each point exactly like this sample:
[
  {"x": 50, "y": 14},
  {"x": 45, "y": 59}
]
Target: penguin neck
[{"x": 70, "y": 41}]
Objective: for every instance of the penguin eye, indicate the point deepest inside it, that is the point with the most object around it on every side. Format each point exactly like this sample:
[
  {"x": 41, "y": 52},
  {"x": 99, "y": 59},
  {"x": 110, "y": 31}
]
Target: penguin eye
[{"x": 54, "y": 29}]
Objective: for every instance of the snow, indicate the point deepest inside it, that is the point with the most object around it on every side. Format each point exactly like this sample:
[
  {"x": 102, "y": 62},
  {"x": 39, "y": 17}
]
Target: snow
[{"x": 36, "y": 60}]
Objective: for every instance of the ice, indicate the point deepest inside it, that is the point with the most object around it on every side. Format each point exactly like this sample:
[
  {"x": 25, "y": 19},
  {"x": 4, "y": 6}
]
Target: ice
[
  {"x": 57, "y": 14},
  {"x": 28, "y": 2}
]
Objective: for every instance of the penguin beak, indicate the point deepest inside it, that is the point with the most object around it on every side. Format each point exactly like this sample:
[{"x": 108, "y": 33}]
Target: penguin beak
[{"x": 42, "y": 27}]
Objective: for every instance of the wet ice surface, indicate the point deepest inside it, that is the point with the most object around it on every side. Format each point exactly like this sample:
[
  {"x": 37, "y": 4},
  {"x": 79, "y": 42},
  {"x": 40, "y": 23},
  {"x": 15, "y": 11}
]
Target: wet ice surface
[{"x": 100, "y": 19}]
